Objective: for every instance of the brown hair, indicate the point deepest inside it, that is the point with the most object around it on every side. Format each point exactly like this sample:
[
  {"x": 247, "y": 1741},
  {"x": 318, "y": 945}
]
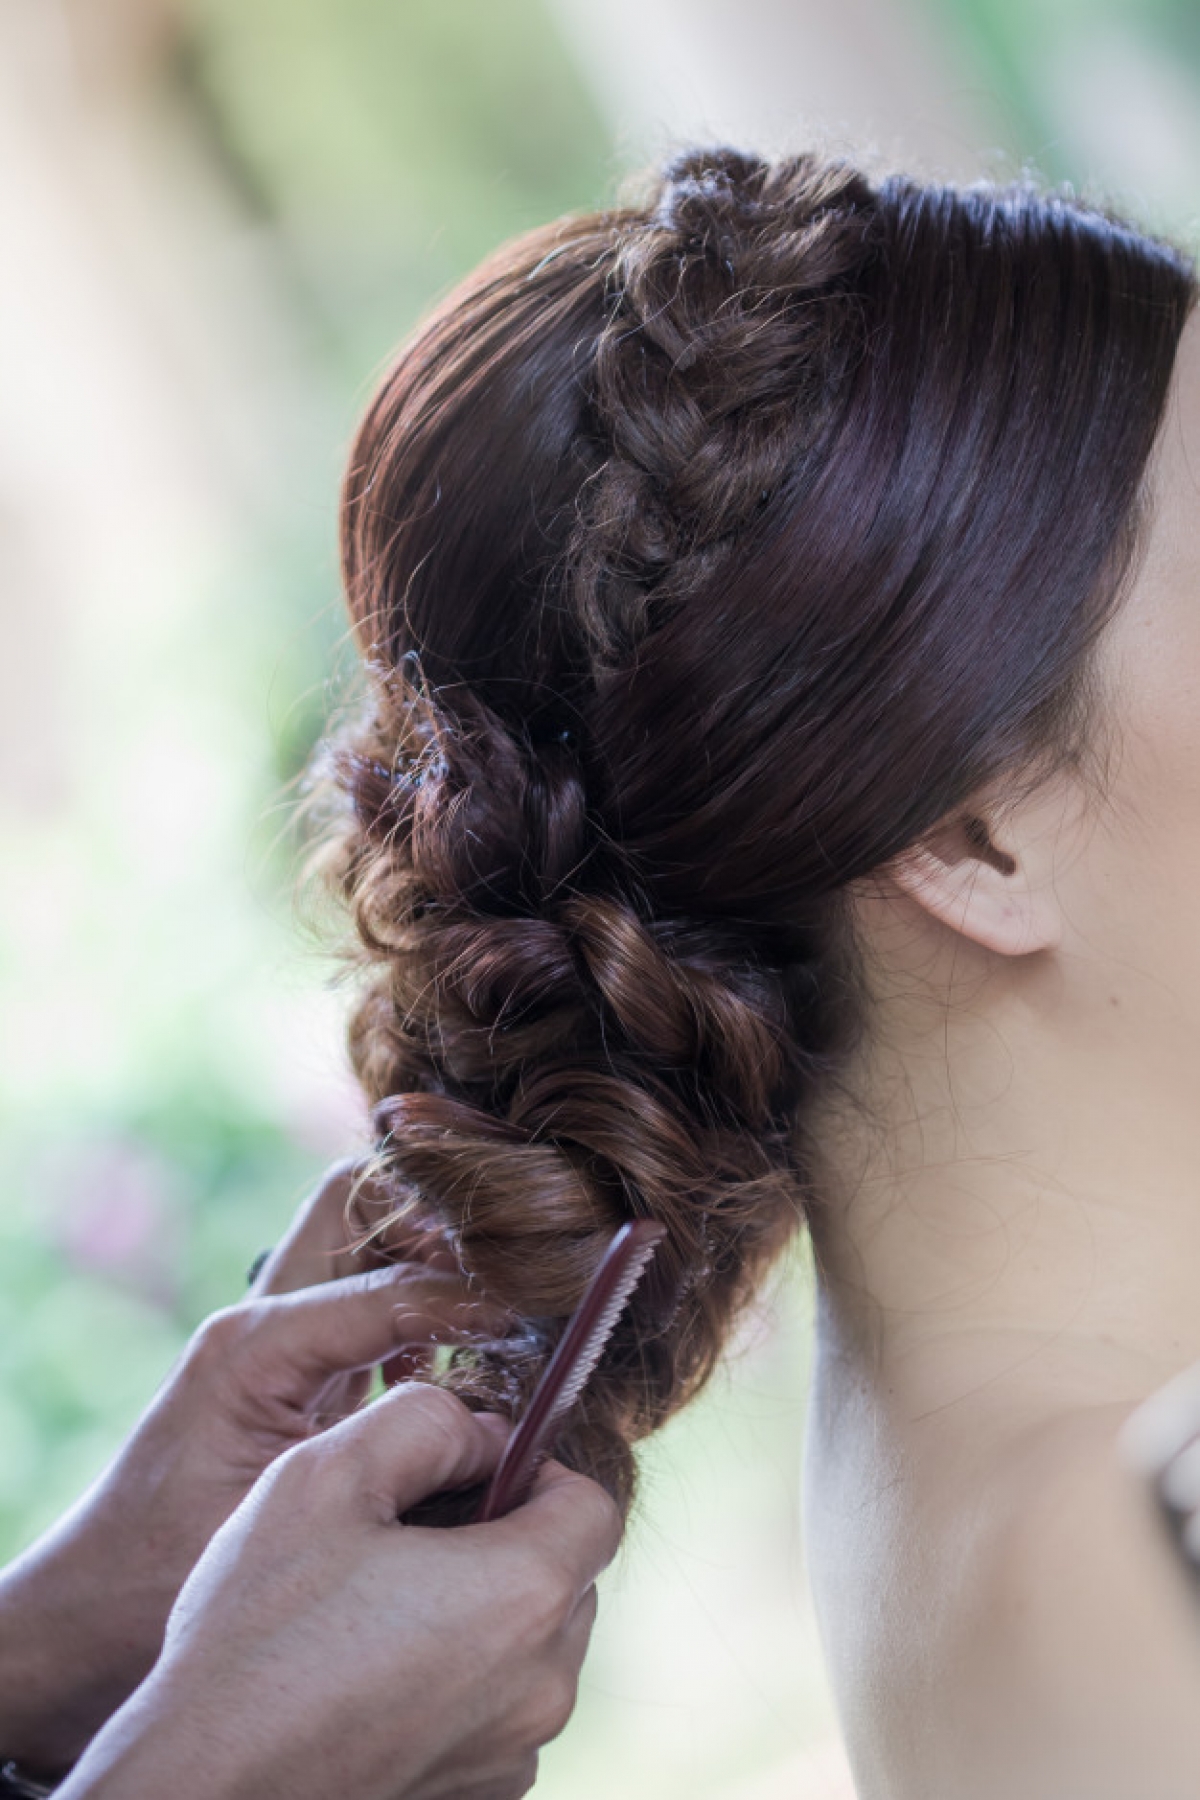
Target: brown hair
[{"x": 702, "y": 553}]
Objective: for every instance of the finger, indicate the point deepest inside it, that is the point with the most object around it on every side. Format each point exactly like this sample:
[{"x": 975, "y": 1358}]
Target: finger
[
  {"x": 571, "y": 1519},
  {"x": 340, "y": 1326},
  {"x": 318, "y": 1245},
  {"x": 339, "y": 1398},
  {"x": 418, "y": 1440},
  {"x": 1179, "y": 1481},
  {"x": 1162, "y": 1424}
]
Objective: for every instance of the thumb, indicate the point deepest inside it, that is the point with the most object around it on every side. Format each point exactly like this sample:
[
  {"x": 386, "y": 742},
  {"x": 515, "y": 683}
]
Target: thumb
[{"x": 414, "y": 1441}]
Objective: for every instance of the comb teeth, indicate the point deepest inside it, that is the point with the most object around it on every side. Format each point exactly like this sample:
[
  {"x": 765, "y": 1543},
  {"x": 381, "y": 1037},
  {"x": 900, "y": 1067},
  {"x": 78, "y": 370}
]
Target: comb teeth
[
  {"x": 571, "y": 1362},
  {"x": 602, "y": 1330}
]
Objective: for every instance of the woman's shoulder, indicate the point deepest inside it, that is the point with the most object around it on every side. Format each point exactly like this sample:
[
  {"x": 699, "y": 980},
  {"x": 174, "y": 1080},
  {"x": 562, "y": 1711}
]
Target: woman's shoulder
[
  {"x": 1009, "y": 1620},
  {"x": 1075, "y": 1652}
]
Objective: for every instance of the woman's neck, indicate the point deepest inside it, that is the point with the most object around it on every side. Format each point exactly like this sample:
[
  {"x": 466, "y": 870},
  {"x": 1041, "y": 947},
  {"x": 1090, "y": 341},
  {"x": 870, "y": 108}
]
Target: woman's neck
[{"x": 1014, "y": 1204}]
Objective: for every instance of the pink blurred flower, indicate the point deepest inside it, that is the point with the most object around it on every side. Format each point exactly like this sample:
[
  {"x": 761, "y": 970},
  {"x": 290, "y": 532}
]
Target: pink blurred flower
[{"x": 111, "y": 1206}]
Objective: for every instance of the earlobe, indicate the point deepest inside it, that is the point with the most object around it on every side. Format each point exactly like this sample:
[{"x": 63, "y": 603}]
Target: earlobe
[{"x": 962, "y": 878}]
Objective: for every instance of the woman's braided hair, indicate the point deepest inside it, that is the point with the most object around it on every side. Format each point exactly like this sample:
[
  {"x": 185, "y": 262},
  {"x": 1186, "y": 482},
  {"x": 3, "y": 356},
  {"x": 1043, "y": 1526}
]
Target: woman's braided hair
[
  {"x": 646, "y": 533},
  {"x": 709, "y": 376}
]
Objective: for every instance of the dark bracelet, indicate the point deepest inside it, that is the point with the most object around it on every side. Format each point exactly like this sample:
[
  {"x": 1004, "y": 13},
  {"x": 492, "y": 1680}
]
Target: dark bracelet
[
  {"x": 257, "y": 1266},
  {"x": 15, "y": 1786}
]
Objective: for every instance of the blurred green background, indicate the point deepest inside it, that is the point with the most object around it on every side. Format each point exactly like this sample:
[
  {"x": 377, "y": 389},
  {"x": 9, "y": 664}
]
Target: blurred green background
[{"x": 218, "y": 217}]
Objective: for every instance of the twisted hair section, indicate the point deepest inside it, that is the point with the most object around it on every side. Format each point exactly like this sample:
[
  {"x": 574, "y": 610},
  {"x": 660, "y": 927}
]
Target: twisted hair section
[
  {"x": 702, "y": 552},
  {"x": 549, "y": 1058}
]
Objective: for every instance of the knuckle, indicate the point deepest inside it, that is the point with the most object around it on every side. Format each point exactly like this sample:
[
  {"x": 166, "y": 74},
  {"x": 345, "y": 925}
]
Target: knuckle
[
  {"x": 601, "y": 1518},
  {"x": 313, "y": 1468},
  {"x": 436, "y": 1409},
  {"x": 221, "y": 1337},
  {"x": 549, "y": 1707},
  {"x": 549, "y": 1597},
  {"x": 589, "y": 1525}
]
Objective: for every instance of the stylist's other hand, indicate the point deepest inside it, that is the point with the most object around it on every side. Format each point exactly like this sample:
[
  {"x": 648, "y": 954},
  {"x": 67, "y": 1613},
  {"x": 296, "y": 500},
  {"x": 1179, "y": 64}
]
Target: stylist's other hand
[
  {"x": 82, "y": 1613},
  {"x": 1160, "y": 1442},
  {"x": 323, "y": 1648}
]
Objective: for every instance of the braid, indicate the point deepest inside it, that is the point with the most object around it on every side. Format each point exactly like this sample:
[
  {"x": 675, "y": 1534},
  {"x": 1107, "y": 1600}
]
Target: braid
[
  {"x": 545, "y": 1063},
  {"x": 550, "y": 1050},
  {"x": 708, "y": 375}
]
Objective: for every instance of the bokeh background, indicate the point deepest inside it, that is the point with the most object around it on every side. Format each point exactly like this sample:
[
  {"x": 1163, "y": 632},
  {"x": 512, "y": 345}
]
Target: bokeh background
[{"x": 216, "y": 218}]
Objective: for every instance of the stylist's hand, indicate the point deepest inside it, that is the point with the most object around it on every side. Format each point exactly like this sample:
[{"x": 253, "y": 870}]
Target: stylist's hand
[
  {"x": 322, "y": 1648},
  {"x": 1160, "y": 1442},
  {"x": 82, "y": 1614}
]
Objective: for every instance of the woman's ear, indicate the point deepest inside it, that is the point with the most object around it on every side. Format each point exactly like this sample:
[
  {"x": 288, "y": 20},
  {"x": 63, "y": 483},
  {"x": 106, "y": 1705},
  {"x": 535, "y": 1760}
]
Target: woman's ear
[{"x": 999, "y": 893}]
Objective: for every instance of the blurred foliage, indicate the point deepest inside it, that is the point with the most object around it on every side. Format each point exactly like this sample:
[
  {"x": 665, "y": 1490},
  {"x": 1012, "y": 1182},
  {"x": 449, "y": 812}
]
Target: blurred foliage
[
  {"x": 385, "y": 148},
  {"x": 393, "y": 144},
  {"x": 1102, "y": 94}
]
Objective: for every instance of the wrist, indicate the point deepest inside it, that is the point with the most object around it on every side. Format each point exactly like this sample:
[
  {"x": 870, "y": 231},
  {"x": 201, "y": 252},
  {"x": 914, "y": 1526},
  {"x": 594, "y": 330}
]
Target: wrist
[
  {"x": 153, "y": 1745},
  {"x": 65, "y": 1666}
]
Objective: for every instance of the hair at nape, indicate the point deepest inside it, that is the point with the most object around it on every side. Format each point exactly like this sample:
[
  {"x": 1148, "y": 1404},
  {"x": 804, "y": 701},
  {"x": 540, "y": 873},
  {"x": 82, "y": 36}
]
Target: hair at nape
[{"x": 702, "y": 553}]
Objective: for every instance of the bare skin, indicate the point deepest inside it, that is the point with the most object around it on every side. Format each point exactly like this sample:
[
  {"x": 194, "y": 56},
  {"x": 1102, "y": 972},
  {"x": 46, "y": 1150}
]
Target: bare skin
[{"x": 1009, "y": 1261}]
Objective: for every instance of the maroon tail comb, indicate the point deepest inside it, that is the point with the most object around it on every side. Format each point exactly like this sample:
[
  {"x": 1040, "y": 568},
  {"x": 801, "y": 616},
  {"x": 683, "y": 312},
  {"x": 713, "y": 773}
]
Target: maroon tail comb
[{"x": 575, "y": 1356}]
